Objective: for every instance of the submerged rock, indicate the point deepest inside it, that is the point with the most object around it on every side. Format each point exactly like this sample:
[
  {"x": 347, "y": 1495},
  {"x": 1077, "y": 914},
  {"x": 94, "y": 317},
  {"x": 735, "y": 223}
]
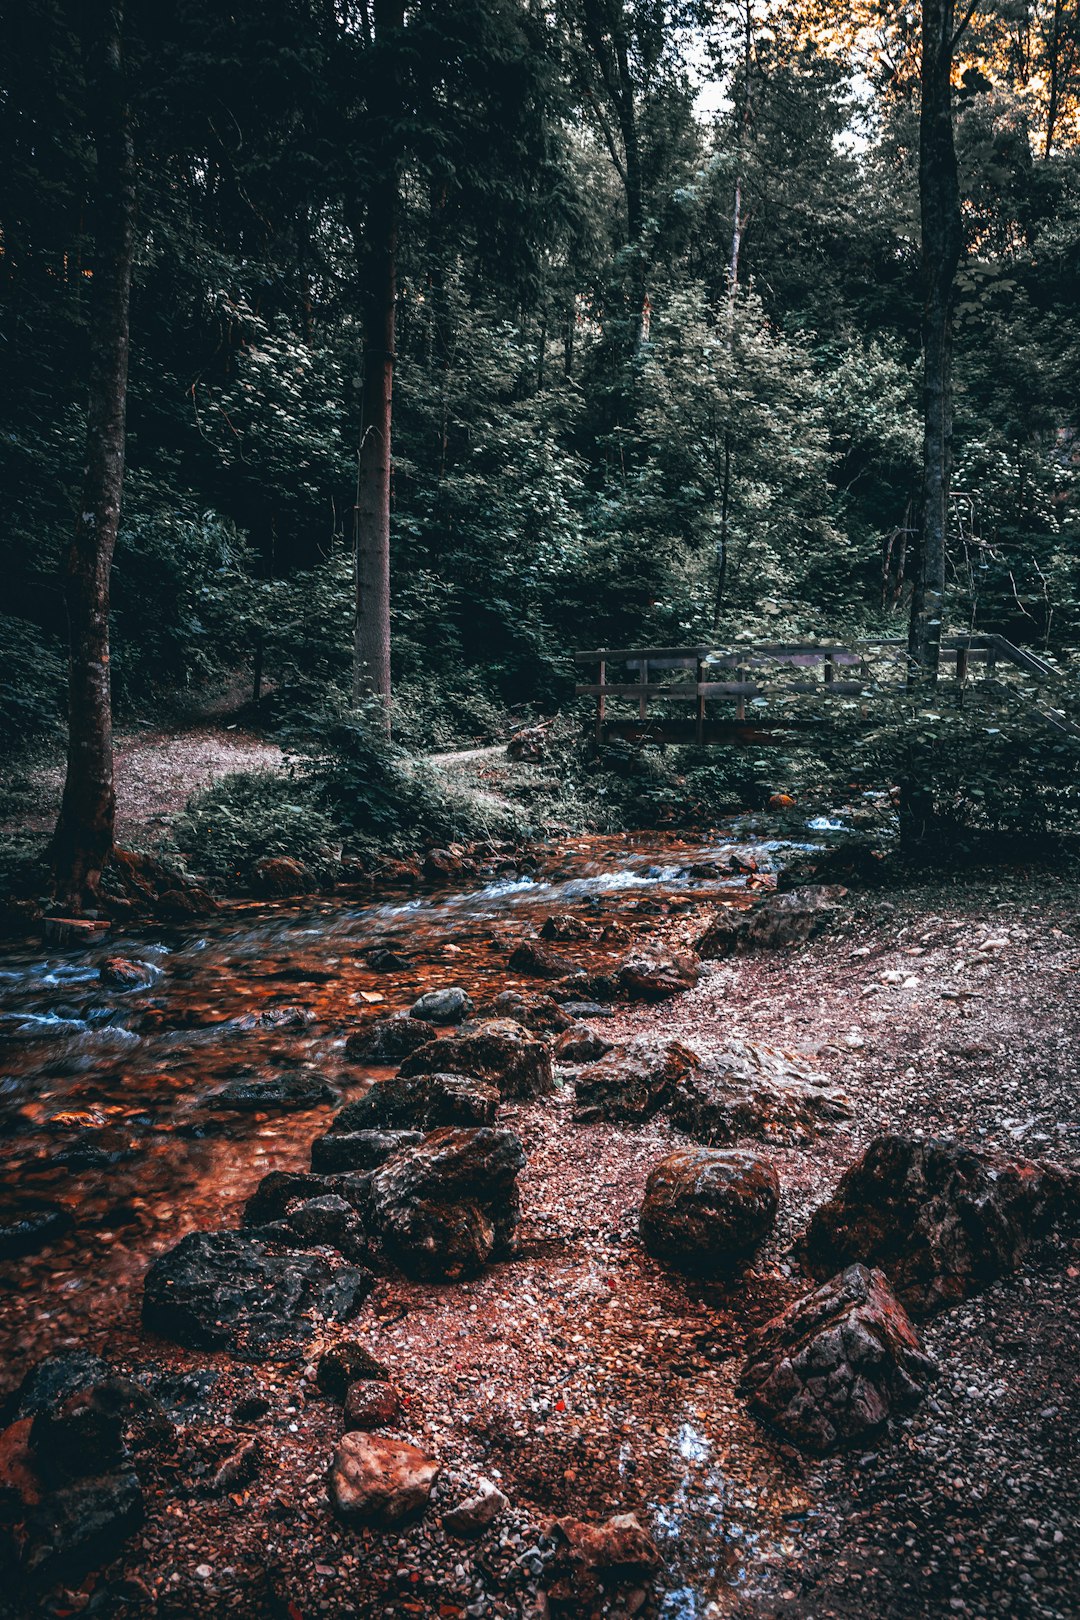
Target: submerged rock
[
  {"x": 446, "y": 1207},
  {"x": 632, "y": 1082},
  {"x": 421, "y": 1101},
  {"x": 284, "y": 1093},
  {"x": 242, "y": 1292},
  {"x": 499, "y": 1052},
  {"x": 380, "y": 1481},
  {"x": 81, "y": 1525},
  {"x": 538, "y": 961},
  {"x": 447, "y": 1006},
  {"x": 564, "y": 926},
  {"x": 275, "y": 1018},
  {"x": 28, "y": 1225},
  {"x": 389, "y": 1039},
  {"x": 745, "y": 1090},
  {"x": 834, "y": 1366},
  {"x": 706, "y": 1210},
  {"x": 939, "y": 1218}
]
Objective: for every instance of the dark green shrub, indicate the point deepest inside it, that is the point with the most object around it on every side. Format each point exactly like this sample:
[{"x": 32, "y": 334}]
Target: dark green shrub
[
  {"x": 33, "y": 682},
  {"x": 228, "y": 827}
]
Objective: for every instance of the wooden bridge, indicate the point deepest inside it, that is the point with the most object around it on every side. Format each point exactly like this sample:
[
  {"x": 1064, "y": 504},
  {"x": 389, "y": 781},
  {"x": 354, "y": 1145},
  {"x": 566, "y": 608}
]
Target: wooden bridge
[{"x": 761, "y": 692}]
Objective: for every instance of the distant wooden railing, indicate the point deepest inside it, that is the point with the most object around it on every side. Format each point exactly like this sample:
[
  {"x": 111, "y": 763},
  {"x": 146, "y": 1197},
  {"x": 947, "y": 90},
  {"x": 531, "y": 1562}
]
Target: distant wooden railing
[{"x": 766, "y": 671}]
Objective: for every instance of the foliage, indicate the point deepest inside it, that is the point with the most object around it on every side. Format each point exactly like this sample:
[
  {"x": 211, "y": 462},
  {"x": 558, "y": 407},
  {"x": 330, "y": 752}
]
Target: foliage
[
  {"x": 231, "y": 825},
  {"x": 32, "y": 685}
]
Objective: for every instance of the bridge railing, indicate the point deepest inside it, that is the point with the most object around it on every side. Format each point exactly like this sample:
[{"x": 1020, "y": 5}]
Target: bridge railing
[{"x": 760, "y": 684}]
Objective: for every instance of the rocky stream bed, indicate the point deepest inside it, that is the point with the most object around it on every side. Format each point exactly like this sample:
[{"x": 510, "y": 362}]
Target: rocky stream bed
[{"x": 661, "y": 1229}]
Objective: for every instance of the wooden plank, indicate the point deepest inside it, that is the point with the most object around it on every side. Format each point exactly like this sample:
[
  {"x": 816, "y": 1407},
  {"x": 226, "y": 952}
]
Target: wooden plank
[
  {"x": 619, "y": 655},
  {"x": 687, "y": 693}
]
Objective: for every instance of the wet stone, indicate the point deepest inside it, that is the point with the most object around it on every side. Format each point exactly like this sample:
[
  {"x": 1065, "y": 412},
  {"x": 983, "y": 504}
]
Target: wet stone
[
  {"x": 707, "y": 1210},
  {"x": 939, "y": 1218},
  {"x": 275, "y": 1018},
  {"x": 371, "y": 1405},
  {"x": 30, "y": 1225},
  {"x": 539, "y": 1013},
  {"x": 344, "y": 1364},
  {"x": 746, "y": 1090},
  {"x": 832, "y": 1368},
  {"x": 476, "y": 1513},
  {"x": 615, "y": 1551},
  {"x": 446, "y": 1207},
  {"x": 285, "y": 1093},
  {"x": 96, "y": 1427},
  {"x": 580, "y": 1046},
  {"x": 632, "y": 1082},
  {"x": 389, "y": 1039},
  {"x": 565, "y": 926},
  {"x": 376, "y": 1480},
  {"x": 81, "y": 1526},
  {"x": 422, "y": 1101},
  {"x": 122, "y": 974},
  {"x": 357, "y": 1150},
  {"x": 656, "y": 974},
  {"x": 447, "y": 1006},
  {"x": 283, "y": 1189},
  {"x": 499, "y": 1052},
  {"x": 538, "y": 961},
  {"x": 241, "y": 1292}
]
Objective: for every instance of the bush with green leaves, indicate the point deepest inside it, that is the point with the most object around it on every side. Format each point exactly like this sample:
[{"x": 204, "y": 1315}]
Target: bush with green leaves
[
  {"x": 228, "y": 827},
  {"x": 33, "y": 685}
]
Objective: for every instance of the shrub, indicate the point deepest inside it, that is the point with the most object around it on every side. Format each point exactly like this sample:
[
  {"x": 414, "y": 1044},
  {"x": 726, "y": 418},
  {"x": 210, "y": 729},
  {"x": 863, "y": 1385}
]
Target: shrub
[
  {"x": 231, "y": 825},
  {"x": 33, "y": 679}
]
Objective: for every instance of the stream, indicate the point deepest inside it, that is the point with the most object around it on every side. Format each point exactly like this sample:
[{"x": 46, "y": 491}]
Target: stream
[{"x": 104, "y": 1117}]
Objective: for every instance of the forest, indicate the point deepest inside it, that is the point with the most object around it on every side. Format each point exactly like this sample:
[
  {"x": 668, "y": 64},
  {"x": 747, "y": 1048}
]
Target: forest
[{"x": 539, "y": 768}]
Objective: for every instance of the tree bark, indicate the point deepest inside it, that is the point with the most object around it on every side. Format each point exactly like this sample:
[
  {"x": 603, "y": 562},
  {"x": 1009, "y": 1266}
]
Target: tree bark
[
  {"x": 83, "y": 839},
  {"x": 371, "y": 663},
  {"x": 942, "y": 240}
]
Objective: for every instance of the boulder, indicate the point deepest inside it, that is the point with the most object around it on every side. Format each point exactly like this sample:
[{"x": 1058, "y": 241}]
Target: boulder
[
  {"x": 371, "y": 1405},
  {"x": 421, "y": 1101},
  {"x": 610, "y": 1552},
  {"x": 537, "y": 1012},
  {"x": 342, "y": 1151},
  {"x": 564, "y": 926},
  {"x": 781, "y": 921},
  {"x": 281, "y": 874},
  {"x": 744, "y": 1090},
  {"x": 707, "y": 1210},
  {"x": 476, "y": 1513},
  {"x": 443, "y": 866},
  {"x": 939, "y": 1218},
  {"x": 242, "y": 1292},
  {"x": 832, "y": 1368},
  {"x": 580, "y": 1045},
  {"x": 80, "y": 1526},
  {"x": 499, "y": 1052},
  {"x": 95, "y": 1428},
  {"x": 347, "y": 1363},
  {"x": 631, "y": 1082},
  {"x": 446, "y": 1207},
  {"x": 284, "y": 1093},
  {"x": 376, "y": 1480},
  {"x": 536, "y": 960},
  {"x": 447, "y": 1006},
  {"x": 282, "y": 1190},
  {"x": 389, "y": 1039},
  {"x": 328, "y": 1221},
  {"x": 656, "y": 974},
  {"x": 121, "y": 974}
]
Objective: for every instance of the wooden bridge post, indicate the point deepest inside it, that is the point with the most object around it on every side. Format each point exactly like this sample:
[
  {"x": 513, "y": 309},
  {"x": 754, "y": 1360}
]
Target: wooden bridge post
[
  {"x": 643, "y": 702},
  {"x": 740, "y": 703},
  {"x": 600, "y": 705},
  {"x": 830, "y": 669},
  {"x": 700, "y": 728}
]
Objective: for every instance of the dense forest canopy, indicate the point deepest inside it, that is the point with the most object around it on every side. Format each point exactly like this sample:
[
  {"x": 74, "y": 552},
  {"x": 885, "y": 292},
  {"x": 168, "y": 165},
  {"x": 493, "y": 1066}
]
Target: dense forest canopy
[{"x": 657, "y": 334}]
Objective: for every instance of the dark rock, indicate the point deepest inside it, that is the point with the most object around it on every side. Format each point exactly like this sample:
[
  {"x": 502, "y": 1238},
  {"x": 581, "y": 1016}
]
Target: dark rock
[
  {"x": 284, "y": 1093},
  {"x": 345, "y": 1364},
  {"x": 500, "y": 1052},
  {"x": 379, "y": 1481},
  {"x": 446, "y": 1207},
  {"x": 279, "y": 1191},
  {"x": 384, "y": 959},
  {"x": 94, "y": 1428},
  {"x": 357, "y": 1150},
  {"x": 476, "y": 1513},
  {"x": 580, "y": 1046},
  {"x": 81, "y": 1526},
  {"x": 632, "y": 1082},
  {"x": 654, "y": 975},
  {"x": 565, "y": 926},
  {"x": 238, "y": 1469},
  {"x": 31, "y": 1224},
  {"x": 237, "y": 1291},
  {"x": 189, "y": 901},
  {"x": 707, "y": 1210},
  {"x": 371, "y": 1405},
  {"x": 538, "y": 962},
  {"x": 745, "y": 1090},
  {"x": 421, "y": 1101},
  {"x": 325, "y": 1221},
  {"x": 587, "y": 1009},
  {"x": 49, "y": 1383},
  {"x": 940, "y": 1219},
  {"x": 281, "y": 874},
  {"x": 442, "y": 866},
  {"x": 831, "y": 1368},
  {"x": 389, "y": 1039},
  {"x": 447, "y": 1006},
  {"x": 781, "y": 921},
  {"x": 122, "y": 974},
  {"x": 539, "y": 1013}
]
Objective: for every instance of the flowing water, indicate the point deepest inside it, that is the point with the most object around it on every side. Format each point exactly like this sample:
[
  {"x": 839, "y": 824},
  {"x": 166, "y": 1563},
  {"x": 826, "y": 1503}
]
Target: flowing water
[{"x": 103, "y": 1091}]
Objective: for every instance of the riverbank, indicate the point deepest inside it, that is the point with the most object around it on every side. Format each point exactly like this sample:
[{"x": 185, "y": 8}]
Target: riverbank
[{"x": 584, "y": 1376}]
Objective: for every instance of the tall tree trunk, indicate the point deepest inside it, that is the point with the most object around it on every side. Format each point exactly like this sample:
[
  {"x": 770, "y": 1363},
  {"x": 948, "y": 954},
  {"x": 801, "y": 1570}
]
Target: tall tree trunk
[
  {"x": 939, "y": 200},
  {"x": 83, "y": 839},
  {"x": 371, "y": 664}
]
